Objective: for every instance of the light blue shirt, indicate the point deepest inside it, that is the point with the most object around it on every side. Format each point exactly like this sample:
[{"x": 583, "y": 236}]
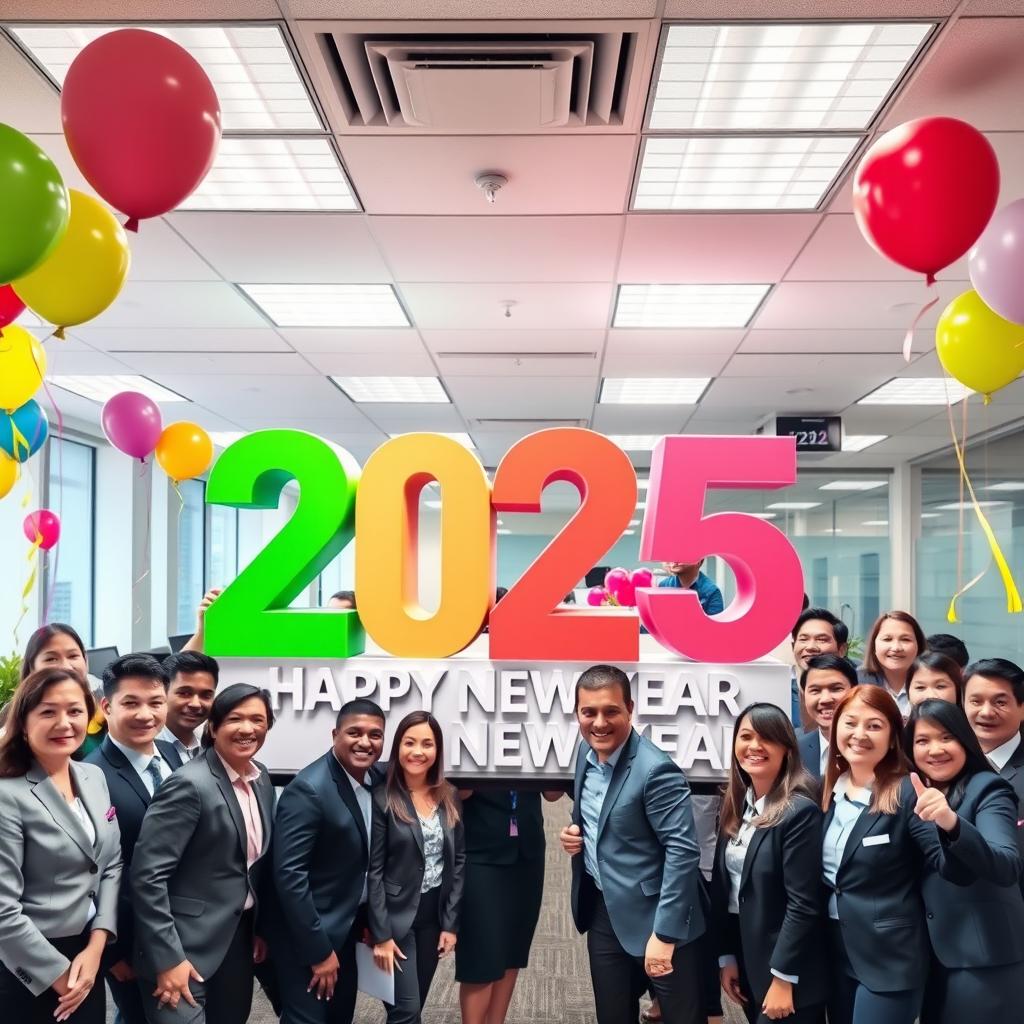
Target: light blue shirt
[
  {"x": 140, "y": 762},
  {"x": 185, "y": 753},
  {"x": 365, "y": 802},
  {"x": 847, "y": 812},
  {"x": 596, "y": 779}
]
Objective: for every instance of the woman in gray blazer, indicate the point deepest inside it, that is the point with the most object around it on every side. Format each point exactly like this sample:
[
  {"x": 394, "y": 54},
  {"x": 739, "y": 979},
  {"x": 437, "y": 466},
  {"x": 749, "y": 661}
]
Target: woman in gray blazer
[{"x": 60, "y": 856}]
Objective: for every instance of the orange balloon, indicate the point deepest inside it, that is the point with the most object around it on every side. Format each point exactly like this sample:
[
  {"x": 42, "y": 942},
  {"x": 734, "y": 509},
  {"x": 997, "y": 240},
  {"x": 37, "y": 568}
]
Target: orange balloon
[{"x": 184, "y": 451}]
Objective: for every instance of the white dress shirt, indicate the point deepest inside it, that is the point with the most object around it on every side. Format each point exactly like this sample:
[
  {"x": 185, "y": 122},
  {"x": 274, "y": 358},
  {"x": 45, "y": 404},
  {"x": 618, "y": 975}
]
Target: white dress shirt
[
  {"x": 823, "y": 756},
  {"x": 140, "y": 762},
  {"x": 1004, "y": 752},
  {"x": 90, "y": 830},
  {"x": 185, "y": 753},
  {"x": 365, "y": 802}
]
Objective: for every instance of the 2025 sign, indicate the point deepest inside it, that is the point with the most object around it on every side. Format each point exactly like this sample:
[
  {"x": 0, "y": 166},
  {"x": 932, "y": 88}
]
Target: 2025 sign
[{"x": 378, "y": 508}]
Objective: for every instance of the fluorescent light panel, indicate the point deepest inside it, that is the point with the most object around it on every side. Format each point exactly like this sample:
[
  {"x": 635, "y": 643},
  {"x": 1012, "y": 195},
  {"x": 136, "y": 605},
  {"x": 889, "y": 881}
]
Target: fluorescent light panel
[
  {"x": 917, "y": 391},
  {"x": 635, "y": 442},
  {"x": 777, "y": 77},
  {"x": 393, "y": 389},
  {"x": 875, "y": 522},
  {"x": 957, "y": 506},
  {"x": 257, "y": 83},
  {"x": 274, "y": 174},
  {"x": 687, "y": 305},
  {"x": 224, "y": 438},
  {"x": 100, "y": 387},
  {"x": 653, "y": 390},
  {"x": 794, "y": 506},
  {"x": 762, "y": 515},
  {"x": 858, "y": 442},
  {"x": 740, "y": 173},
  {"x": 852, "y": 485},
  {"x": 328, "y": 305},
  {"x": 464, "y": 439},
  {"x": 1005, "y": 485}
]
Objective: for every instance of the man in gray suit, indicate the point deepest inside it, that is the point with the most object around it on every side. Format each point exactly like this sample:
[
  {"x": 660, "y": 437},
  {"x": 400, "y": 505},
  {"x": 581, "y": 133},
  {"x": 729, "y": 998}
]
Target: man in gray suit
[{"x": 636, "y": 861}]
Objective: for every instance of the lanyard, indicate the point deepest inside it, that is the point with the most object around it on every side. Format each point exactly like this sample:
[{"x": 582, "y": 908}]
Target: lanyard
[{"x": 513, "y": 821}]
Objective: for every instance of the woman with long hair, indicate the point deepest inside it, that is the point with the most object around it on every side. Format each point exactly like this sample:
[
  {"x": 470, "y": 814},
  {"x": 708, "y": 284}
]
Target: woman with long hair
[
  {"x": 935, "y": 676},
  {"x": 766, "y": 895},
  {"x": 896, "y": 639},
  {"x": 977, "y": 929},
  {"x": 417, "y": 865},
  {"x": 880, "y": 839},
  {"x": 60, "y": 856}
]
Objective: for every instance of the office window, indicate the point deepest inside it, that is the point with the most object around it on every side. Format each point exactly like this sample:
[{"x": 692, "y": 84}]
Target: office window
[
  {"x": 69, "y": 566},
  {"x": 191, "y": 553},
  {"x": 221, "y": 545}
]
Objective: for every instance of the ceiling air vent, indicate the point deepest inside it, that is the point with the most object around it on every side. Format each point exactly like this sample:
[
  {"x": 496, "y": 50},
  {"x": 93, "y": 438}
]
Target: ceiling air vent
[{"x": 476, "y": 82}]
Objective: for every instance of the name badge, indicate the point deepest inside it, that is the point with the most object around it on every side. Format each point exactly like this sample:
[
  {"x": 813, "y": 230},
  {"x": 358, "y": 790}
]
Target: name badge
[{"x": 875, "y": 840}]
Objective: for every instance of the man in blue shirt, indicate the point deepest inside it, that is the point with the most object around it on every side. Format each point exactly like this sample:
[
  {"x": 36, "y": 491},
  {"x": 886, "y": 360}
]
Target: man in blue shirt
[{"x": 689, "y": 577}]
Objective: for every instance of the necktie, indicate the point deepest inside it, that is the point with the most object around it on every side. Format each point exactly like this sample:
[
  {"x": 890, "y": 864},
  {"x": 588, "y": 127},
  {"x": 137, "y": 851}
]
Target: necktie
[{"x": 153, "y": 768}]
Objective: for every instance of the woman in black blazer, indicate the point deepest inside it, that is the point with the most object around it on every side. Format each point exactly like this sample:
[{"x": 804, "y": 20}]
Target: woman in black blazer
[
  {"x": 767, "y": 908},
  {"x": 880, "y": 840},
  {"x": 417, "y": 865},
  {"x": 977, "y": 930}
]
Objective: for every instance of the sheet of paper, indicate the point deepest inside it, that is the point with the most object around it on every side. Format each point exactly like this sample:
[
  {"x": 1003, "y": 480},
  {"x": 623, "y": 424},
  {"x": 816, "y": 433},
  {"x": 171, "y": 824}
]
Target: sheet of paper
[{"x": 373, "y": 981}]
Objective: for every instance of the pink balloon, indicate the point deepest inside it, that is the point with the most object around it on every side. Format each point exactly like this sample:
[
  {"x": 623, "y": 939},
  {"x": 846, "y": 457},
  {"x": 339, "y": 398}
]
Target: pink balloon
[
  {"x": 996, "y": 263},
  {"x": 642, "y": 578},
  {"x": 619, "y": 585},
  {"x": 596, "y": 596},
  {"x": 132, "y": 423},
  {"x": 43, "y": 525}
]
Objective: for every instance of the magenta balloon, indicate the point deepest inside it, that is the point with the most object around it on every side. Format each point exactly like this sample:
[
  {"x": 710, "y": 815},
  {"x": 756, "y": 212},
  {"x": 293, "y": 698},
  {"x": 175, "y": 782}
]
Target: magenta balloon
[
  {"x": 642, "y": 578},
  {"x": 996, "y": 263},
  {"x": 43, "y": 524},
  {"x": 132, "y": 423},
  {"x": 596, "y": 596}
]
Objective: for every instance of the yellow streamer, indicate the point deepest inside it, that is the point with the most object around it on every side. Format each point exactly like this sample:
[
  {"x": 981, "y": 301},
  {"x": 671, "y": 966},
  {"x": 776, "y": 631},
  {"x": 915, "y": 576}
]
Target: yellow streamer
[
  {"x": 19, "y": 443},
  {"x": 29, "y": 583}
]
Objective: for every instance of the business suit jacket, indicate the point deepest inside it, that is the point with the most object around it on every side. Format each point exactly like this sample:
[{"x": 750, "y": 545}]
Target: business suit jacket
[
  {"x": 782, "y": 913},
  {"x": 189, "y": 876},
  {"x": 49, "y": 871},
  {"x": 396, "y": 871},
  {"x": 809, "y": 745},
  {"x": 130, "y": 798},
  {"x": 1013, "y": 772},
  {"x": 320, "y": 854},
  {"x": 981, "y": 924},
  {"x": 878, "y": 890},
  {"x": 647, "y": 849}
]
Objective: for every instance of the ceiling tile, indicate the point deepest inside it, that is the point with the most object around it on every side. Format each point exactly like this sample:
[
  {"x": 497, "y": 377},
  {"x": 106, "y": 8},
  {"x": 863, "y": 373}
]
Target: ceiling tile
[
  {"x": 513, "y": 340},
  {"x": 806, "y": 394},
  {"x": 546, "y": 175},
  {"x": 711, "y": 248},
  {"x": 537, "y": 306},
  {"x": 403, "y": 418},
  {"x": 370, "y": 340},
  {"x": 640, "y": 419},
  {"x": 826, "y": 339},
  {"x": 182, "y": 339},
  {"x": 65, "y": 361},
  {"x": 27, "y": 100},
  {"x": 519, "y": 365},
  {"x": 499, "y": 248},
  {"x": 499, "y": 397},
  {"x": 152, "y": 364},
  {"x": 826, "y": 367},
  {"x": 372, "y": 364},
  {"x": 285, "y": 248},
  {"x": 145, "y": 304}
]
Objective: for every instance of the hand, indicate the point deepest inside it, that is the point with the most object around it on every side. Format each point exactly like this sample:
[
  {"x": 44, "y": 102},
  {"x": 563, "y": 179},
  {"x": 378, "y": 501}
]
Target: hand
[
  {"x": 122, "y": 971},
  {"x": 81, "y": 976},
  {"x": 208, "y": 598},
  {"x": 172, "y": 985},
  {"x": 445, "y": 944},
  {"x": 932, "y": 805},
  {"x": 384, "y": 954},
  {"x": 259, "y": 949},
  {"x": 571, "y": 839},
  {"x": 325, "y": 977},
  {"x": 658, "y": 957},
  {"x": 730, "y": 978},
  {"x": 778, "y": 1003}
]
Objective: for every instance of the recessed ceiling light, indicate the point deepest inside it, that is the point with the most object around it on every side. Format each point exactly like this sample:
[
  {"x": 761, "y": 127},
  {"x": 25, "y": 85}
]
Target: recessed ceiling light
[
  {"x": 328, "y": 305},
  {"x": 832, "y": 529},
  {"x": 811, "y": 77},
  {"x": 956, "y": 506},
  {"x": 101, "y": 387},
  {"x": 1005, "y": 485},
  {"x": 432, "y": 504},
  {"x": 635, "y": 442},
  {"x": 653, "y": 390},
  {"x": 740, "y": 173},
  {"x": 641, "y": 485},
  {"x": 762, "y": 515},
  {"x": 794, "y": 506},
  {"x": 225, "y": 438},
  {"x": 641, "y": 505},
  {"x": 393, "y": 389},
  {"x": 634, "y": 522},
  {"x": 858, "y": 442},
  {"x": 875, "y": 522},
  {"x": 464, "y": 439},
  {"x": 273, "y": 174},
  {"x": 852, "y": 485},
  {"x": 931, "y": 515},
  {"x": 687, "y": 305},
  {"x": 501, "y": 522},
  {"x": 917, "y": 391},
  {"x": 251, "y": 68},
  {"x": 628, "y": 533},
  {"x": 504, "y": 532}
]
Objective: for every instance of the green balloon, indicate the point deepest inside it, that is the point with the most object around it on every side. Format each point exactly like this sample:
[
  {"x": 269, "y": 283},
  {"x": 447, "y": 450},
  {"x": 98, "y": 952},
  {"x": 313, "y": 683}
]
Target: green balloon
[{"x": 34, "y": 205}]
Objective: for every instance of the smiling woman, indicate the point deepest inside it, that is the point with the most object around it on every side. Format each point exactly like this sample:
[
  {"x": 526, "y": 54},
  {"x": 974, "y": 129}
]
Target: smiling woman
[{"x": 896, "y": 639}]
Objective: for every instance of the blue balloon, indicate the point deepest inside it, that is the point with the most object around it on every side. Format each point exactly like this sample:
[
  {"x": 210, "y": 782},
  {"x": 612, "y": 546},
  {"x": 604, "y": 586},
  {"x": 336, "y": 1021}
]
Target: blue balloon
[{"x": 30, "y": 422}]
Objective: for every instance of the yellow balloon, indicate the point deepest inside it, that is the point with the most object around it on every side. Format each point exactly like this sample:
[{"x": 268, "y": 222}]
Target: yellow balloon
[
  {"x": 84, "y": 273},
  {"x": 22, "y": 367},
  {"x": 8, "y": 475},
  {"x": 978, "y": 347},
  {"x": 184, "y": 451}
]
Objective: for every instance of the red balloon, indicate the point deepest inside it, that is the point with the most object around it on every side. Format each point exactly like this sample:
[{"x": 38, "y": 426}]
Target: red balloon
[
  {"x": 142, "y": 121},
  {"x": 11, "y": 307},
  {"x": 924, "y": 192}
]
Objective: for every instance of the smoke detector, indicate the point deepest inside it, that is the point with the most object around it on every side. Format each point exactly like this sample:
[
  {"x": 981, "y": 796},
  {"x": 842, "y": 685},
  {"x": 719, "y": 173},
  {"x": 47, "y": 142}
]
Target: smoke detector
[{"x": 490, "y": 184}]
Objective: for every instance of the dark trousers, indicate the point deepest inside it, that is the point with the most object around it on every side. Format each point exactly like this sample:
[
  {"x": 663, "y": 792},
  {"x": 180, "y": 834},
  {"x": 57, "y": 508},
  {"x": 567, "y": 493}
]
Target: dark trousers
[
  {"x": 619, "y": 979},
  {"x": 127, "y": 998},
  {"x": 223, "y": 998},
  {"x": 412, "y": 983},
  {"x": 850, "y": 1002},
  {"x": 300, "y": 1006},
  {"x": 17, "y": 1004}
]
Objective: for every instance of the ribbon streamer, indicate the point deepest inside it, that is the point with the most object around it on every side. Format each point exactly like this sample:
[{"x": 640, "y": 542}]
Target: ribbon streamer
[
  {"x": 908, "y": 338},
  {"x": 146, "y": 466}
]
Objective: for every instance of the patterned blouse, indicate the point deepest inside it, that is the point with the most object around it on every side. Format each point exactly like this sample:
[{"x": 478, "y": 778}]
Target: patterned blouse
[{"x": 433, "y": 851}]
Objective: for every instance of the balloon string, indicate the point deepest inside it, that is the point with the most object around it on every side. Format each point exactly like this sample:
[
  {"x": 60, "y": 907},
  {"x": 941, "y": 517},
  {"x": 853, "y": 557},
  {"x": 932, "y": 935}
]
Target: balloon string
[
  {"x": 908, "y": 338},
  {"x": 29, "y": 583},
  {"x": 1013, "y": 600},
  {"x": 26, "y": 500},
  {"x": 145, "y": 549},
  {"x": 961, "y": 533},
  {"x": 54, "y": 572}
]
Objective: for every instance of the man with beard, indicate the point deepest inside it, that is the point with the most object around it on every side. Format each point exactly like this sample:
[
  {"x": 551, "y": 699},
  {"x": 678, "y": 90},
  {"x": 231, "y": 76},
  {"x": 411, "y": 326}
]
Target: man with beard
[{"x": 321, "y": 852}]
